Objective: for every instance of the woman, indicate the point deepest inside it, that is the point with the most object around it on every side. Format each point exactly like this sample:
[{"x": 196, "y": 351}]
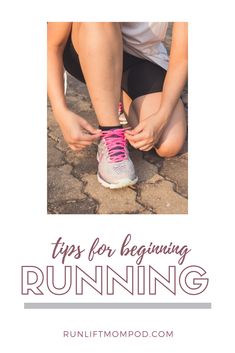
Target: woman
[{"x": 128, "y": 59}]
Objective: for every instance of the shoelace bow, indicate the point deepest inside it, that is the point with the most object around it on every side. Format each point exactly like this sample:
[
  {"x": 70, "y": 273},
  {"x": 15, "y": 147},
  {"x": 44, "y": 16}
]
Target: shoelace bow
[{"x": 116, "y": 144}]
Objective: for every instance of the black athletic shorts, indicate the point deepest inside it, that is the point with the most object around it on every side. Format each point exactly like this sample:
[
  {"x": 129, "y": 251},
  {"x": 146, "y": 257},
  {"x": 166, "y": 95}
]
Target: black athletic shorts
[{"x": 140, "y": 76}]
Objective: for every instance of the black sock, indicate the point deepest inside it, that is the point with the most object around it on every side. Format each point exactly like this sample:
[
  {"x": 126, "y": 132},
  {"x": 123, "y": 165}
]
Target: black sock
[{"x": 106, "y": 128}]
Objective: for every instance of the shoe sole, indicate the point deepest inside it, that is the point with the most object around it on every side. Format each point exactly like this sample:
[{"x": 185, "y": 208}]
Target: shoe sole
[{"x": 121, "y": 184}]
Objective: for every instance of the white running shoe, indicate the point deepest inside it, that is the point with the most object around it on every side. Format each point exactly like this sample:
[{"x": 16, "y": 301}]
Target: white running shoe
[{"x": 115, "y": 169}]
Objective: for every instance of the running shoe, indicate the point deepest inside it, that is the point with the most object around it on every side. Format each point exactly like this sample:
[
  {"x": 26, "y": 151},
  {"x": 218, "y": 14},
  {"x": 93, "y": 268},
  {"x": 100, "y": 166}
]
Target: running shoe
[{"x": 115, "y": 169}]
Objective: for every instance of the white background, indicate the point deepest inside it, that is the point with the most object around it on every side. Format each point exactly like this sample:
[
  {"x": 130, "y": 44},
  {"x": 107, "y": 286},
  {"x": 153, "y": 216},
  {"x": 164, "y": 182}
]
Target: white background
[{"x": 27, "y": 230}]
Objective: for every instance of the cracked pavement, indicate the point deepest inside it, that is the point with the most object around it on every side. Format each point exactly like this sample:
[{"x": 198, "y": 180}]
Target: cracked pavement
[{"x": 72, "y": 183}]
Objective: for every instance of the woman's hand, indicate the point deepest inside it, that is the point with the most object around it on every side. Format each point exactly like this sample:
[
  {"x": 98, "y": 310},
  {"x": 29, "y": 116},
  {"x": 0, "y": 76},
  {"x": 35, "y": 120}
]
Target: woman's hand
[
  {"x": 147, "y": 133},
  {"x": 77, "y": 132}
]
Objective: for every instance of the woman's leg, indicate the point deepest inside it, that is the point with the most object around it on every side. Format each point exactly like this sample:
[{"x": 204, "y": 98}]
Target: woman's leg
[
  {"x": 173, "y": 137},
  {"x": 99, "y": 46}
]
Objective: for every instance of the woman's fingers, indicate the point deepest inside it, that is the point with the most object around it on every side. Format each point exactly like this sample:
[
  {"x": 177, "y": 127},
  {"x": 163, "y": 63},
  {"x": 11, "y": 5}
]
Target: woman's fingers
[
  {"x": 134, "y": 132},
  {"x": 75, "y": 148},
  {"x": 146, "y": 148},
  {"x": 78, "y": 147},
  {"x": 89, "y": 138},
  {"x": 138, "y": 128},
  {"x": 83, "y": 141},
  {"x": 143, "y": 145},
  {"x": 141, "y": 142},
  {"x": 135, "y": 138}
]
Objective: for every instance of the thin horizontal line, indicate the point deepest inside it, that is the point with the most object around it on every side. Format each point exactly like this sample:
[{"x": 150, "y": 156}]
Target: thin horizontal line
[{"x": 117, "y": 305}]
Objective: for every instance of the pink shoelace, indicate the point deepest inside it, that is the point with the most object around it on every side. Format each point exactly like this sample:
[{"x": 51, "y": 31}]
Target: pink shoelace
[
  {"x": 116, "y": 144},
  {"x": 120, "y": 108}
]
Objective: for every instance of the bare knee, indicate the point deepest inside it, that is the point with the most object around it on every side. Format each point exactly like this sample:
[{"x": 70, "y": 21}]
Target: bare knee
[{"x": 168, "y": 150}]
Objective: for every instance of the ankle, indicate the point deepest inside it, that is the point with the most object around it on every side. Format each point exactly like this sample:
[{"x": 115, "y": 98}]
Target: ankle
[{"x": 107, "y": 128}]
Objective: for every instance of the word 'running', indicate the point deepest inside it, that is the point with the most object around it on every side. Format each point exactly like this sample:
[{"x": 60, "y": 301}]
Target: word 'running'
[{"x": 105, "y": 280}]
